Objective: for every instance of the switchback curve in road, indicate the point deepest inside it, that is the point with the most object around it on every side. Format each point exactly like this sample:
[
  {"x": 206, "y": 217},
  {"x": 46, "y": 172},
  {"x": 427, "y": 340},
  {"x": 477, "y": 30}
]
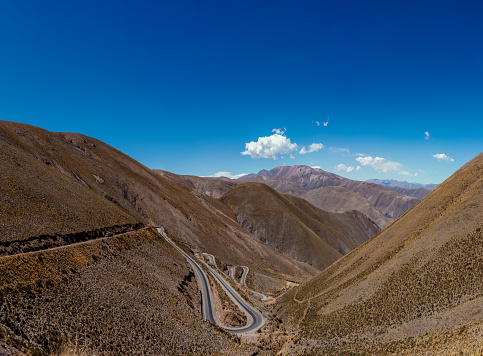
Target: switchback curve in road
[{"x": 255, "y": 319}]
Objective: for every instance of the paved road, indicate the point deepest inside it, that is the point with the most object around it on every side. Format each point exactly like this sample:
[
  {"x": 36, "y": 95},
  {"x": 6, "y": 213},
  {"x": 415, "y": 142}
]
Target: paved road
[
  {"x": 243, "y": 280},
  {"x": 255, "y": 319},
  {"x": 231, "y": 272},
  {"x": 213, "y": 262},
  {"x": 203, "y": 280}
]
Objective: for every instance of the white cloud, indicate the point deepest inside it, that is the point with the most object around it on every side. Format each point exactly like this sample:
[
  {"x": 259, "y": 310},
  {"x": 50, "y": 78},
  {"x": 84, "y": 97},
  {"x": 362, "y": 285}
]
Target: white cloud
[
  {"x": 228, "y": 175},
  {"x": 380, "y": 164},
  {"x": 361, "y": 154},
  {"x": 426, "y": 135},
  {"x": 358, "y": 168},
  {"x": 312, "y": 148},
  {"x": 326, "y": 123},
  {"x": 316, "y": 167},
  {"x": 442, "y": 157},
  {"x": 269, "y": 146},
  {"x": 318, "y": 123},
  {"x": 343, "y": 168}
]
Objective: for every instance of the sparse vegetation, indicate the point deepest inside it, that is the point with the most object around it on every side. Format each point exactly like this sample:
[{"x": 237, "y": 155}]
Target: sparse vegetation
[{"x": 414, "y": 287}]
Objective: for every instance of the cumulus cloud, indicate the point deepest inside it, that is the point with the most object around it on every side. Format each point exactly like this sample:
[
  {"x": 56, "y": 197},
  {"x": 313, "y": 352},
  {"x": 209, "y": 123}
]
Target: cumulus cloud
[
  {"x": 426, "y": 135},
  {"x": 326, "y": 123},
  {"x": 228, "y": 175},
  {"x": 442, "y": 157},
  {"x": 380, "y": 164},
  {"x": 312, "y": 148},
  {"x": 343, "y": 168},
  {"x": 270, "y": 146},
  {"x": 316, "y": 167}
]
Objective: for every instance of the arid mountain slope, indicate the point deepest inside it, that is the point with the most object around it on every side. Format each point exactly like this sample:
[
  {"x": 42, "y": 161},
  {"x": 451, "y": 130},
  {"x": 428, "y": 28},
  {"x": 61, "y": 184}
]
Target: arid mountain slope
[
  {"x": 128, "y": 295},
  {"x": 295, "y": 227},
  {"x": 299, "y": 180},
  {"x": 418, "y": 193},
  {"x": 414, "y": 288},
  {"x": 338, "y": 200},
  {"x": 58, "y": 183}
]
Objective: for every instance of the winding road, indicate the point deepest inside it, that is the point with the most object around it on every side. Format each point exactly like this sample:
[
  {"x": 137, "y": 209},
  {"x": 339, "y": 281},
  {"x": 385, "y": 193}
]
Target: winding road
[
  {"x": 255, "y": 319},
  {"x": 243, "y": 280},
  {"x": 202, "y": 278}
]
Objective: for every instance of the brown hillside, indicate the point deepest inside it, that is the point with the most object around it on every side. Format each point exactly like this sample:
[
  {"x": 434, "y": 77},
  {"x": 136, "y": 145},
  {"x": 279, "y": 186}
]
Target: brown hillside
[
  {"x": 295, "y": 227},
  {"x": 59, "y": 183},
  {"x": 414, "y": 288},
  {"x": 130, "y": 295}
]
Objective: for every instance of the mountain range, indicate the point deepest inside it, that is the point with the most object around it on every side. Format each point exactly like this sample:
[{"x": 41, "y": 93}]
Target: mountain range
[
  {"x": 411, "y": 288},
  {"x": 331, "y": 192}
]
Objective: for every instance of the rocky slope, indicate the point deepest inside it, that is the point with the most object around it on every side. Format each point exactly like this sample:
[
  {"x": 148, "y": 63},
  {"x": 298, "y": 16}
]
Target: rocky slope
[
  {"x": 303, "y": 180},
  {"x": 415, "y": 288}
]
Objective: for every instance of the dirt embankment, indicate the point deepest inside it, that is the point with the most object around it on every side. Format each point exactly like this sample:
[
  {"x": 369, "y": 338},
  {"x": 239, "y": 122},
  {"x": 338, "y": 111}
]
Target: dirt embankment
[{"x": 43, "y": 242}]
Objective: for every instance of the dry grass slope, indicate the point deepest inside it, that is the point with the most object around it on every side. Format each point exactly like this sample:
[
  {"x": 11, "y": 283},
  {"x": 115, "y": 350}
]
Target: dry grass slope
[
  {"x": 413, "y": 288},
  {"x": 125, "y": 295}
]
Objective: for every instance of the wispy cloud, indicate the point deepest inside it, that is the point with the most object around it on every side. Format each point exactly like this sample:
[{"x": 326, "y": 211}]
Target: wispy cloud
[
  {"x": 326, "y": 123},
  {"x": 312, "y": 148},
  {"x": 380, "y": 164},
  {"x": 270, "y": 146},
  {"x": 442, "y": 157},
  {"x": 427, "y": 135},
  {"x": 341, "y": 150},
  {"x": 404, "y": 173}
]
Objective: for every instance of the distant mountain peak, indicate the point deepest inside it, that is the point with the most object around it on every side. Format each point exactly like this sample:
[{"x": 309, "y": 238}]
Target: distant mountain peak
[{"x": 401, "y": 184}]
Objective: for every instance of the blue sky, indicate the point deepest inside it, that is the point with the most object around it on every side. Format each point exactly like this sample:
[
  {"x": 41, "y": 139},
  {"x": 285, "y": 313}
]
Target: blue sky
[{"x": 184, "y": 86}]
